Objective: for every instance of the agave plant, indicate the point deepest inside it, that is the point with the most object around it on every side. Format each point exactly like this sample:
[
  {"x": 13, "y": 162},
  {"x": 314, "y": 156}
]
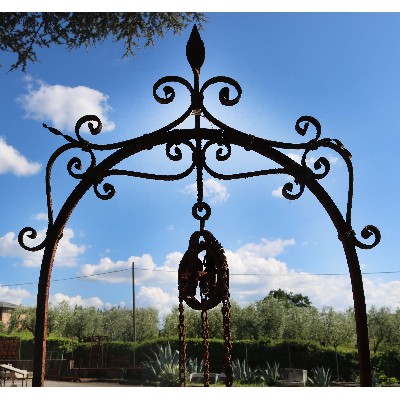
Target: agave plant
[
  {"x": 320, "y": 377},
  {"x": 270, "y": 374},
  {"x": 163, "y": 366},
  {"x": 243, "y": 373},
  {"x": 193, "y": 366}
]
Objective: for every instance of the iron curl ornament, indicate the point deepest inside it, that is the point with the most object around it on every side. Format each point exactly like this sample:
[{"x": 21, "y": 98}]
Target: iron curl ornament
[{"x": 203, "y": 276}]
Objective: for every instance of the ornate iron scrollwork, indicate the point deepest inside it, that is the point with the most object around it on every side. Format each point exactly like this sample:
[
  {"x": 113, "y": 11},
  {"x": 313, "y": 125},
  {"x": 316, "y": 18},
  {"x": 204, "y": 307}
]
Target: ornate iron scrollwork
[{"x": 209, "y": 276}]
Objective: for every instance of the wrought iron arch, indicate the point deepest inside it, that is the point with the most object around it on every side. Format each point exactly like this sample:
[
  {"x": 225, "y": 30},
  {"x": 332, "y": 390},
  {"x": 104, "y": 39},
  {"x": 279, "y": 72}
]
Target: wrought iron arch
[{"x": 199, "y": 140}]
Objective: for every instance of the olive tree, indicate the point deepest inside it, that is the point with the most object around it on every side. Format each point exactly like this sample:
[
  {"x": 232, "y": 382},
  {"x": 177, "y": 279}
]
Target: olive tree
[
  {"x": 382, "y": 326},
  {"x": 23, "y": 319},
  {"x": 301, "y": 323},
  {"x": 271, "y": 317},
  {"x": 84, "y": 322}
]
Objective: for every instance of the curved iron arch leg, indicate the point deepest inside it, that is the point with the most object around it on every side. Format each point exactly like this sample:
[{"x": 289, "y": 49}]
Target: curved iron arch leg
[
  {"x": 52, "y": 240},
  {"x": 360, "y": 312},
  {"x": 39, "y": 352}
]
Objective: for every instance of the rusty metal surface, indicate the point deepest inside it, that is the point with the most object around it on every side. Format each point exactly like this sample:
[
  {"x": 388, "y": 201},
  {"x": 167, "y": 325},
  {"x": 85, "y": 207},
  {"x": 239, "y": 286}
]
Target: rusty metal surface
[
  {"x": 208, "y": 277},
  {"x": 182, "y": 344},
  {"x": 201, "y": 142}
]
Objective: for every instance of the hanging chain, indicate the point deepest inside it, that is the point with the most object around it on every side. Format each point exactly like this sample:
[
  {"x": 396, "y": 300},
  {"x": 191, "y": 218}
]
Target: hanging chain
[
  {"x": 182, "y": 345},
  {"x": 226, "y": 315},
  {"x": 227, "y": 342},
  {"x": 206, "y": 362}
]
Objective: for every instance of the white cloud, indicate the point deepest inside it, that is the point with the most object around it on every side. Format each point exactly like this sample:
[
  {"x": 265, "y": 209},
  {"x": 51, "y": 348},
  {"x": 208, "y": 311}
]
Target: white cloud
[
  {"x": 254, "y": 271},
  {"x": 146, "y": 270},
  {"x": 214, "y": 191},
  {"x": 13, "y": 296},
  {"x": 40, "y": 217},
  {"x": 150, "y": 296},
  {"x": 382, "y": 293},
  {"x": 295, "y": 157},
  {"x": 66, "y": 256},
  {"x": 11, "y": 161},
  {"x": 330, "y": 158},
  {"x": 64, "y": 105},
  {"x": 266, "y": 248},
  {"x": 278, "y": 192},
  {"x": 156, "y": 286},
  {"x": 79, "y": 301},
  {"x": 311, "y": 160}
]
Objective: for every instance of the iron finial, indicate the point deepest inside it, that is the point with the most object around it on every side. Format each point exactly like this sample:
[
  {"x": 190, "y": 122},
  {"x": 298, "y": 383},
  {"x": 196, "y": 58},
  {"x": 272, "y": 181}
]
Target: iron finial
[{"x": 195, "y": 51}]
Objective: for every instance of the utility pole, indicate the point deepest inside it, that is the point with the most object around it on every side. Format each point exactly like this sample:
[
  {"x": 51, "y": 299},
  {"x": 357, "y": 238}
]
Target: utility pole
[{"x": 133, "y": 312}]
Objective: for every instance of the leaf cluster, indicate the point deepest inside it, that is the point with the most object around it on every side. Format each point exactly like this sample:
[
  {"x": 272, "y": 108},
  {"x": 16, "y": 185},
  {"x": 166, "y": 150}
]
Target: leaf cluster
[{"x": 22, "y": 33}]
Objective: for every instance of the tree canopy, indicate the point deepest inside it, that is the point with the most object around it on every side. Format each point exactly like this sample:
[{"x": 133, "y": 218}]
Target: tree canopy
[
  {"x": 297, "y": 300},
  {"x": 267, "y": 318},
  {"x": 23, "y": 33}
]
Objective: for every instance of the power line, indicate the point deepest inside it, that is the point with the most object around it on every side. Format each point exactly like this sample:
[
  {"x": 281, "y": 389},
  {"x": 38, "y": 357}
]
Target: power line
[
  {"x": 174, "y": 270},
  {"x": 72, "y": 277},
  {"x": 283, "y": 274}
]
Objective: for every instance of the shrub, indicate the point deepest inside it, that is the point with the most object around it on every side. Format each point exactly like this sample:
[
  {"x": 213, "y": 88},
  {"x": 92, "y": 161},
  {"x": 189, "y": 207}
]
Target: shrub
[
  {"x": 163, "y": 366},
  {"x": 270, "y": 374},
  {"x": 320, "y": 377},
  {"x": 193, "y": 366},
  {"x": 243, "y": 373}
]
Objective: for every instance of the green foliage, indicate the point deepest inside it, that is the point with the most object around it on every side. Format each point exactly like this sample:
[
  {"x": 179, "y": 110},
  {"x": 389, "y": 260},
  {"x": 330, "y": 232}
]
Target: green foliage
[
  {"x": 303, "y": 354},
  {"x": 23, "y": 319},
  {"x": 169, "y": 376},
  {"x": 245, "y": 322},
  {"x": 193, "y": 366},
  {"x": 163, "y": 366},
  {"x": 387, "y": 363},
  {"x": 80, "y": 322},
  {"x": 118, "y": 324},
  {"x": 297, "y": 337},
  {"x": 23, "y": 33},
  {"x": 301, "y": 323},
  {"x": 270, "y": 374},
  {"x": 58, "y": 318},
  {"x": 290, "y": 299},
  {"x": 243, "y": 373},
  {"x": 384, "y": 326},
  {"x": 320, "y": 377},
  {"x": 270, "y": 318},
  {"x": 84, "y": 322},
  {"x": 385, "y": 381}
]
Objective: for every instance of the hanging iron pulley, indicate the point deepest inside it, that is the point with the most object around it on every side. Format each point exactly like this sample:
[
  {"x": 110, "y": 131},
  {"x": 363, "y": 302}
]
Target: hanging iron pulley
[{"x": 203, "y": 271}]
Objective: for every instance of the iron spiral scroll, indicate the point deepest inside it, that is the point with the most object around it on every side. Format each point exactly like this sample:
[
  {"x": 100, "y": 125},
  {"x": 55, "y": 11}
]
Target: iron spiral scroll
[{"x": 208, "y": 277}]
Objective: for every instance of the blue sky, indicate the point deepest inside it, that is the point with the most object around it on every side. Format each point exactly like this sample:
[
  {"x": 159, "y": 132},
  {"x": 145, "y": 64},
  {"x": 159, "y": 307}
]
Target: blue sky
[{"x": 341, "y": 68}]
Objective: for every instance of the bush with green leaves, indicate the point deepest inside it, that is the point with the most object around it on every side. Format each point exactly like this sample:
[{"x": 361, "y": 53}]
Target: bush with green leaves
[
  {"x": 270, "y": 374},
  {"x": 320, "y": 377},
  {"x": 163, "y": 366},
  {"x": 379, "y": 378},
  {"x": 243, "y": 373},
  {"x": 193, "y": 366}
]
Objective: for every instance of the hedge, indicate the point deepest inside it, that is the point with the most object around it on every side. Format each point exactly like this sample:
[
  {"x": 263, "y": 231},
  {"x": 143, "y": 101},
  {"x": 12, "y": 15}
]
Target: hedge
[
  {"x": 303, "y": 355},
  {"x": 296, "y": 354}
]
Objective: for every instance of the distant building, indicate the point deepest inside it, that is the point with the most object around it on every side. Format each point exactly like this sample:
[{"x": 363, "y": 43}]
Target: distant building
[{"x": 5, "y": 311}]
